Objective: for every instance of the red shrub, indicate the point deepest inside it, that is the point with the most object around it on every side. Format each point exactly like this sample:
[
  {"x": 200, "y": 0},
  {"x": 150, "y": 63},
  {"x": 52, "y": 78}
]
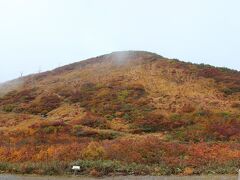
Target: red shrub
[{"x": 224, "y": 129}]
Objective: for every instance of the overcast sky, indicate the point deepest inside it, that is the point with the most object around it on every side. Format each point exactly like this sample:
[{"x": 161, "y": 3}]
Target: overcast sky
[{"x": 43, "y": 34}]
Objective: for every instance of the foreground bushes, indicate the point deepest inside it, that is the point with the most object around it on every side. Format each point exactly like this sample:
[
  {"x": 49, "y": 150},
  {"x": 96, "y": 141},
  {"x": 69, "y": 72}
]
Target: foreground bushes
[
  {"x": 42, "y": 168},
  {"x": 108, "y": 167},
  {"x": 136, "y": 155}
]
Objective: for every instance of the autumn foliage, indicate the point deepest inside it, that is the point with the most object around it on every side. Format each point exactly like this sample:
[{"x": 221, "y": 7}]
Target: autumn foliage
[{"x": 128, "y": 112}]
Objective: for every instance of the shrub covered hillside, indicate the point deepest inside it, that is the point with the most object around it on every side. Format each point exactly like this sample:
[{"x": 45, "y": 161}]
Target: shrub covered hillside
[{"x": 122, "y": 113}]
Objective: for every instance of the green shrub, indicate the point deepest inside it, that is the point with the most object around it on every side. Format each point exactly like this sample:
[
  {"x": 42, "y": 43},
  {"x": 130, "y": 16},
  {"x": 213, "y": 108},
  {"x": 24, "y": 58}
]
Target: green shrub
[
  {"x": 225, "y": 115},
  {"x": 49, "y": 129},
  {"x": 108, "y": 135},
  {"x": 175, "y": 117},
  {"x": 8, "y": 108},
  {"x": 122, "y": 95},
  {"x": 231, "y": 90},
  {"x": 79, "y": 131}
]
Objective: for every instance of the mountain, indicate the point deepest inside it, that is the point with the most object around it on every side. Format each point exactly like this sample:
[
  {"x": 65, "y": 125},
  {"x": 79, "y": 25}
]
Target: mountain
[{"x": 130, "y": 109}]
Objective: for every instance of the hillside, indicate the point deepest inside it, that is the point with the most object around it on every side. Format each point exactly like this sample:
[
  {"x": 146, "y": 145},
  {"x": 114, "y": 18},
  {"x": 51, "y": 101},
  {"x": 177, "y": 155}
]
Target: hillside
[{"x": 128, "y": 112}]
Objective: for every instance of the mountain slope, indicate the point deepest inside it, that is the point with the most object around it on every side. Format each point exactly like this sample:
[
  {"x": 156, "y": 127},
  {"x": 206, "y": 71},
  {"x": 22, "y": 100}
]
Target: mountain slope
[{"x": 99, "y": 105}]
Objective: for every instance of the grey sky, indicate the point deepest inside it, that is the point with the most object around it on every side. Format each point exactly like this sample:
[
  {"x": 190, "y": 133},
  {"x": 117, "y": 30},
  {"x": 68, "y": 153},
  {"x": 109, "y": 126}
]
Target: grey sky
[{"x": 43, "y": 34}]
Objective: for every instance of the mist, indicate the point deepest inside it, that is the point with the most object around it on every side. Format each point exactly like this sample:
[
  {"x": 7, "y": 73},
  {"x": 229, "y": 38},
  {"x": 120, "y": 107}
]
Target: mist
[{"x": 41, "y": 35}]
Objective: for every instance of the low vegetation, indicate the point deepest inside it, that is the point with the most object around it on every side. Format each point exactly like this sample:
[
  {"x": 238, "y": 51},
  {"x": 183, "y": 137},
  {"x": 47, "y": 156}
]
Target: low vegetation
[{"x": 135, "y": 114}]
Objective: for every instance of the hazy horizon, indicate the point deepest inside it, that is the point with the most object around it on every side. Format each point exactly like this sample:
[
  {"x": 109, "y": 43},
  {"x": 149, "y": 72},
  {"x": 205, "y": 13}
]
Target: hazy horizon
[
  {"x": 42, "y": 35},
  {"x": 60, "y": 65}
]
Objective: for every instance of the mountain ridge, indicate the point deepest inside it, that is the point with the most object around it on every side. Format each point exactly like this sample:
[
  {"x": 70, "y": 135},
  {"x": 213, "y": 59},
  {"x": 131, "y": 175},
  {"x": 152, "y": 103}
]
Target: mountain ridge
[{"x": 88, "y": 60}]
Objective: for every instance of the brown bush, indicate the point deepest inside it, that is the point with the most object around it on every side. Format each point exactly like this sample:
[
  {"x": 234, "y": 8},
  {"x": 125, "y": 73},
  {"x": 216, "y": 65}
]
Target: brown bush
[
  {"x": 157, "y": 123},
  {"x": 91, "y": 120},
  {"x": 45, "y": 104},
  {"x": 224, "y": 130},
  {"x": 187, "y": 108},
  {"x": 236, "y": 105}
]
